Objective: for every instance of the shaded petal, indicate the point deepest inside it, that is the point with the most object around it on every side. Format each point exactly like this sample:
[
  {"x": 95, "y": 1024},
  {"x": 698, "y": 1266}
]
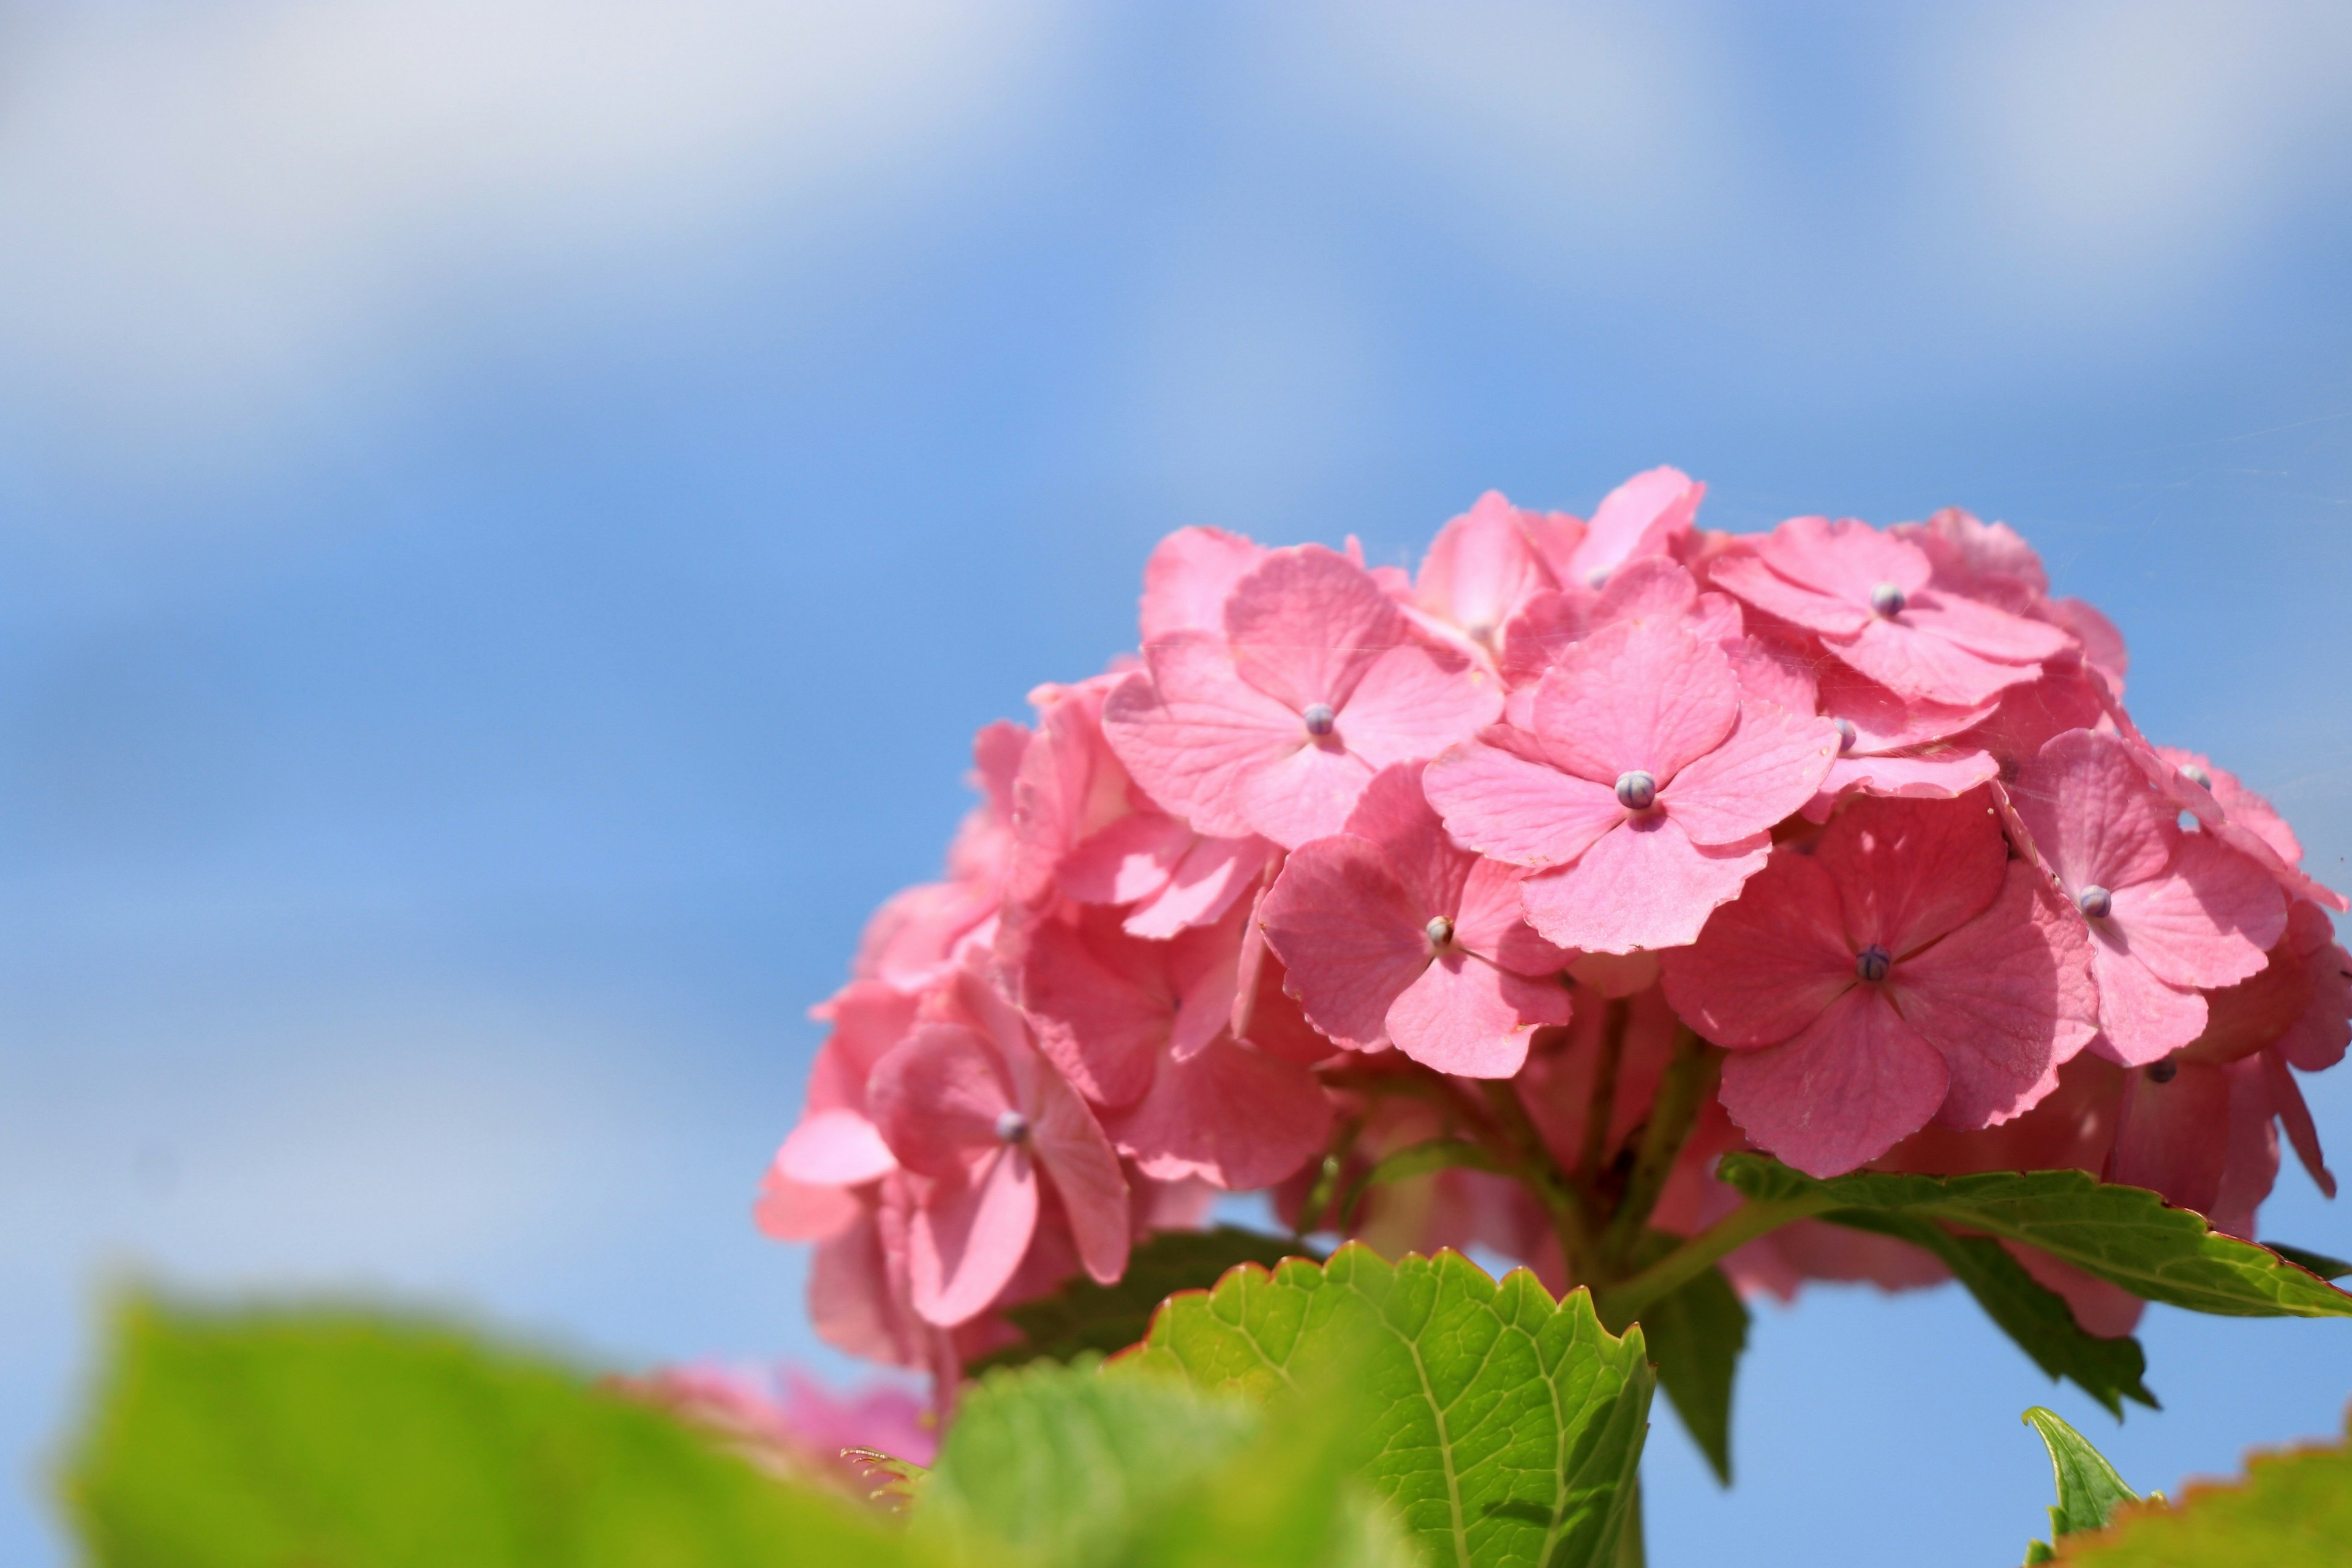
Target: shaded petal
[
  {"x": 1130, "y": 859},
  {"x": 2173, "y": 1137},
  {"x": 1101, "y": 1004},
  {"x": 2208, "y": 922},
  {"x": 1639, "y": 694},
  {"x": 1645, "y": 885},
  {"x": 1883, "y": 721},
  {"x": 1080, "y": 1158},
  {"x": 2295, "y": 1115},
  {"x": 1745, "y": 577},
  {"x": 1351, "y": 940},
  {"x": 1306, "y": 623},
  {"x": 1919, "y": 664},
  {"x": 2251, "y": 1169},
  {"x": 1465, "y": 1016},
  {"x": 1414, "y": 702},
  {"x": 1767, "y": 965},
  {"x": 936, "y": 1097},
  {"x": 1192, "y": 731},
  {"x": 1857, "y": 1081},
  {"x": 2006, "y": 999},
  {"x": 1504, "y": 804},
  {"x": 1910, "y": 871},
  {"x": 968, "y": 1235},
  {"x": 2094, "y": 816},
  {"x": 1946, "y": 775},
  {"x": 1210, "y": 876},
  {"x": 1491, "y": 923},
  {"x": 2141, "y": 1020},
  {"x": 1395, "y": 814},
  {"x": 1231, "y": 1116},
  {"x": 1770, "y": 764}
]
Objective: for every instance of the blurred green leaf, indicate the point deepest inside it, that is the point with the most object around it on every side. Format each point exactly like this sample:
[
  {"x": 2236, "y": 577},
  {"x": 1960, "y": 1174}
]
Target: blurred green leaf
[
  {"x": 335, "y": 1439},
  {"x": 1696, "y": 1336},
  {"x": 1502, "y": 1428},
  {"x": 2319, "y": 1263},
  {"x": 2291, "y": 1510},
  {"x": 1082, "y": 1316},
  {"x": 2109, "y": 1369},
  {"x": 2127, "y": 1236},
  {"x": 2089, "y": 1489}
]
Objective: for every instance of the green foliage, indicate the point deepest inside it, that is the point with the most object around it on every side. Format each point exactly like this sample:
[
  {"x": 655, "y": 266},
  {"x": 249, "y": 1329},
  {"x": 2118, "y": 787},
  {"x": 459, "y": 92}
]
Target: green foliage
[
  {"x": 2319, "y": 1263},
  {"x": 2291, "y": 1509},
  {"x": 2036, "y": 1317},
  {"x": 1082, "y": 1316},
  {"x": 2127, "y": 1236},
  {"x": 337, "y": 1440},
  {"x": 1504, "y": 1428},
  {"x": 1696, "y": 1336},
  {"x": 2089, "y": 1489}
]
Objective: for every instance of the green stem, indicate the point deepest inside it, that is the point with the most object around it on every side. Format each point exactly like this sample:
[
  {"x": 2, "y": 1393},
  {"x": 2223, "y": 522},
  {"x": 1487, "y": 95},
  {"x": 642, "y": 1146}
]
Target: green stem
[
  {"x": 1626, "y": 1300},
  {"x": 1600, "y": 1104},
  {"x": 1531, "y": 1158},
  {"x": 1683, "y": 1091}
]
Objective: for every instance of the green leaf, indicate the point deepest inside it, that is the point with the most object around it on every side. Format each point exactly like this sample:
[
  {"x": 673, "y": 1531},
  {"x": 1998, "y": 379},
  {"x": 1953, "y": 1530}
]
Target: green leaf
[
  {"x": 263, "y": 1439},
  {"x": 1082, "y": 1316},
  {"x": 2319, "y": 1263},
  {"x": 2127, "y": 1236},
  {"x": 2089, "y": 1490},
  {"x": 1696, "y": 1336},
  {"x": 2291, "y": 1510},
  {"x": 2030, "y": 1313},
  {"x": 1504, "y": 1428}
]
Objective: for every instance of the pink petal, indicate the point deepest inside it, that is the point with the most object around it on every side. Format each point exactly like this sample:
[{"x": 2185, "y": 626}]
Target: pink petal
[
  {"x": 1745, "y": 577},
  {"x": 1766, "y": 966},
  {"x": 1641, "y": 517},
  {"x": 2173, "y": 1136},
  {"x": 1883, "y": 721},
  {"x": 2110, "y": 1312},
  {"x": 1132, "y": 858},
  {"x": 1770, "y": 672},
  {"x": 936, "y": 1097},
  {"x": 1306, "y": 624},
  {"x": 1983, "y": 629},
  {"x": 1343, "y": 926},
  {"x": 1502, "y": 804},
  {"x": 1645, "y": 885},
  {"x": 1210, "y": 876},
  {"x": 1640, "y": 694},
  {"x": 2006, "y": 998},
  {"x": 1769, "y": 765},
  {"x": 1846, "y": 560},
  {"x": 1412, "y": 703},
  {"x": 1305, "y": 794},
  {"x": 2141, "y": 1018},
  {"x": 2251, "y": 1168},
  {"x": 2029, "y": 716},
  {"x": 968, "y": 1236},
  {"x": 1652, "y": 588},
  {"x": 1230, "y": 1116},
  {"x": 2317, "y": 1040},
  {"x": 2209, "y": 921},
  {"x": 795, "y": 1211},
  {"x": 1465, "y": 1016},
  {"x": 1080, "y": 1158},
  {"x": 1101, "y": 1004},
  {"x": 1545, "y": 627},
  {"x": 1916, "y": 662},
  {"x": 1910, "y": 871},
  {"x": 868, "y": 1018},
  {"x": 1946, "y": 776},
  {"x": 2295, "y": 1115},
  {"x": 834, "y": 1148},
  {"x": 1490, "y": 922},
  {"x": 1188, "y": 578},
  {"x": 1481, "y": 568},
  {"x": 1192, "y": 732},
  {"x": 2092, "y": 814},
  {"x": 1856, "y": 1082},
  {"x": 1395, "y": 814},
  {"x": 856, "y": 1295}
]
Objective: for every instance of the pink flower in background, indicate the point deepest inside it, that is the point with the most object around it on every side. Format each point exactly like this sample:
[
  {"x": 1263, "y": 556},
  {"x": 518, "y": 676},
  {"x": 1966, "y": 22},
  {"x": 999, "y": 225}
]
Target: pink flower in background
[
  {"x": 975, "y": 1116},
  {"x": 1481, "y": 569},
  {"x": 1393, "y": 935},
  {"x": 1274, "y": 726},
  {"x": 802, "y": 1433},
  {"x": 1868, "y": 596},
  {"x": 2168, "y": 911},
  {"x": 1903, "y": 972},
  {"x": 1643, "y": 796}
]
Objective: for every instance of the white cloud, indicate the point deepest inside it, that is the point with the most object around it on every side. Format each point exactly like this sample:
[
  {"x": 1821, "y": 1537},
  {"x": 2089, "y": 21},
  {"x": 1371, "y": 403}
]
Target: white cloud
[{"x": 214, "y": 210}]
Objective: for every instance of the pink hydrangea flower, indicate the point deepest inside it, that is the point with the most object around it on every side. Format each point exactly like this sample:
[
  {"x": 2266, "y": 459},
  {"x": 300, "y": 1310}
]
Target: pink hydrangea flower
[
  {"x": 1480, "y": 570},
  {"x": 1649, "y": 514},
  {"x": 976, "y": 1116},
  {"x": 1146, "y": 1029},
  {"x": 1868, "y": 596},
  {"x": 1644, "y": 795},
  {"x": 1987, "y": 561},
  {"x": 2231, "y": 812},
  {"x": 1647, "y": 588},
  {"x": 836, "y": 1147},
  {"x": 2168, "y": 911},
  {"x": 1188, "y": 578},
  {"x": 1889, "y": 745},
  {"x": 1274, "y": 726},
  {"x": 1394, "y": 935},
  {"x": 1904, "y": 970}
]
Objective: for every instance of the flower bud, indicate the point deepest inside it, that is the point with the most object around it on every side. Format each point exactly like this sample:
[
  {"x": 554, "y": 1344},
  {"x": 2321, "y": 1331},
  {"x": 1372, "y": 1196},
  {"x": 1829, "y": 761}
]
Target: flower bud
[
  {"x": 1637, "y": 791},
  {"x": 1318, "y": 718},
  {"x": 1873, "y": 963}
]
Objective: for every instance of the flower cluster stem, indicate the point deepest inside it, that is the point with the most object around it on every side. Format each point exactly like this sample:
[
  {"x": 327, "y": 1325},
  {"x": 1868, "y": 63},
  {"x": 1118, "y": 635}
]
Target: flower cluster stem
[
  {"x": 1624, "y": 1301},
  {"x": 1682, "y": 1092}
]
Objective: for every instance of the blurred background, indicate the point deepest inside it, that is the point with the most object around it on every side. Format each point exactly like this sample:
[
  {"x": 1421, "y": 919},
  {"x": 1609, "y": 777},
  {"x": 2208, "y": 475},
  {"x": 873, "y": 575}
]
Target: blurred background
[{"x": 510, "y": 513}]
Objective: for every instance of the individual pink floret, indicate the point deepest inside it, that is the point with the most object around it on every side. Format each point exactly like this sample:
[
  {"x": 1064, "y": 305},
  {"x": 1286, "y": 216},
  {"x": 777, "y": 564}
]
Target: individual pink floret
[
  {"x": 974, "y": 1116},
  {"x": 1868, "y": 596},
  {"x": 1274, "y": 727},
  {"x": 2168, "y": 912},
  {"x": 1394, "y": 936},
  {"x": 1644, "y": 795},
  {"x": 1905, "y": 971},
  {"x": 1649, "y": 514}
]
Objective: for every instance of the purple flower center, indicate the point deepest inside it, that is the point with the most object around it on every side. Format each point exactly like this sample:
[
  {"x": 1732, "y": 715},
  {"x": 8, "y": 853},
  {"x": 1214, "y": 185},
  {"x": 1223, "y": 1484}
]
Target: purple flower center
[
  {"x": 2095, "y": 902},
  {"x": 2164, "y": 1071},
  {"x": 1637, "y": 791},
  {"x": 2197, "y": 775},
  {"x": 1440, "y": 929},
  {"x": 1846, "y": 735},
  {"x": 1011, "y": 1127},
  {"x": 1320, "y": 718},
  {"x": 1873, "y": 963},
  {"x": 1887, "y": 599}
]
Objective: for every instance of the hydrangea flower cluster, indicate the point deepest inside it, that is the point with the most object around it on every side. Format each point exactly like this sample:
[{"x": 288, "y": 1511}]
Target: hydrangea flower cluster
[{"x": 1602, "y": 848}]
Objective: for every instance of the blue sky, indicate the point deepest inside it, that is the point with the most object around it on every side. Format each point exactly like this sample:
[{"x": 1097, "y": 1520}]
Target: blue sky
[{"x": 510, "y": 513}]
